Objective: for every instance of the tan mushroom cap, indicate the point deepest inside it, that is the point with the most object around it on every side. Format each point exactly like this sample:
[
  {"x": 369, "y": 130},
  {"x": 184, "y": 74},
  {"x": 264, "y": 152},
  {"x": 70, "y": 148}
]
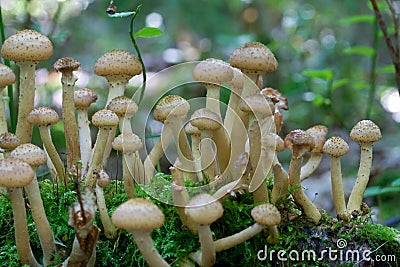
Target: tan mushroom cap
[
  {"x": 137, "y": 214},
  {"x": 31, "y": 154},
  {"x": 83, "y": 98},
  {"x": 127, "y": 143},
  {"x": 43, "y": 116},
  {"x": 365, "y": 131},
  {"x": 66, "y": 64},
  {"x": 279, "y": 100},
  {"x": 171, "y": 105},
  {"x": 103, "y": 179},
  {"x": 15, "y": 173},
  {"x": 336, "y": 147},
  {"x": 213, "y": 70},
  {"x": 192, "y": 130},
  {"x": 318, "y": 133},
  {"x": 204, "y": 209},
  {"x": 105, "y": 118},
  {"x": 205, "y": 119},
  {"x": 7, "y": 76},
  {"x": 9, "y": 141},
  {"x": 253, "y": 56},
  {"x": 123, "y": 106},
  {"x": 257, "y": 104},
  {"x": 299, "y": 138},
  {"x": 27, "y": 45},
  {"x": 266, "y": 214},
  {"x": 117, "y": 62}
]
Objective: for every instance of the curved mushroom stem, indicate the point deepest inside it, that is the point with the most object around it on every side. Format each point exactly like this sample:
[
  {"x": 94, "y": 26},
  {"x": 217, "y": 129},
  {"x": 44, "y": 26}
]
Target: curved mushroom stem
[
  {"x": 311, "y": 165},
  {"x": 26, "y": 100},
  {"x": 109, "y": 229},
  {"x": 234, "y": 240},
  {"x": 85, "y": 139},
  {"x": 281, "y": 182},
  {"x": 42, "y": 224},
  {"x": 21, "y": 228},
  {"x": 145, "y": 244},
  {"x": 364, "y": 170},
  {"x": 52, "y": 152},
  {"x": 208, "y": 253}
]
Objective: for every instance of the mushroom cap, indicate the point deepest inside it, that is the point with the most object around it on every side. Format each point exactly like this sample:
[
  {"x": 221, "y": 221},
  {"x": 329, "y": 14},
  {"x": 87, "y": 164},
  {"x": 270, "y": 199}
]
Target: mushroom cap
[
  {"x": 299, "y": 141},
  {"x": 9, "y": 141},
  {"x": 31, "y": 154},
  {"x": 266, "y": 214},
  {"x": 205, "y": 119},
  {"x": 27, "y": 45},
  {"x": 204, "y": 209},
  {"x": 253, "y": 56},
  {"x": 279, "y": 100},
  {"x": 43, "y": 116},
  {"x": 83, "y": 98},
  {"x": 15, "y": 173},
  {"x": 192, "y": 130},
  {"x": 171, "y": 105},
  {"x": 117, "y": 62},
  {"x": 105, "y": 118},
  {"x": 318, "y": 133},
  {"x": 213, "y": 70},
  {"x": 237, "y": 81},
  {"x": 365, "y": 131},
  {"x": 127, "y": 143},
  {"x": 138, "y": 214},
  {"x": 335, "y": 147},
  {"x": 103, "y": 179},
  {"x": 123, "y": 106},
  {"x": 7, "y": 76},
  {"x": 257, "y": 104},
  {"x": 66, "y": 64}
]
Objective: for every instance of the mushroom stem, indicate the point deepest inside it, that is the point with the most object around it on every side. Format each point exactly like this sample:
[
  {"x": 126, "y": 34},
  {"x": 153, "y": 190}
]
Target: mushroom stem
[
  {"x": 26, "y": 100},
  {"x": 281, "y": 182},
  {"x": 212, "y": 98},
  {"x": 207, "y": 155},
  {"x": 128, "y": 160},
  {"x": 208, "y": 253},
  {"x": 109, "y": 229},
  {"x": 234, "y": 240},
  {"x": 3, "y": 117},
  {"x": 337, "y": 186},
  {"x": 21, "y": 227},
  {"x": 85, "y": 138},
  {"x": 44, "y": 132},
  {"x": 145, "y": 244},
  {"x": 154, "y": 156},
  {"x": 311, "y": 165}
]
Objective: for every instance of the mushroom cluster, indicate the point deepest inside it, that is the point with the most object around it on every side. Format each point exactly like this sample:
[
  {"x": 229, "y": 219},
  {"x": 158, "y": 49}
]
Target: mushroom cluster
[{"x": 222, "y": 153}]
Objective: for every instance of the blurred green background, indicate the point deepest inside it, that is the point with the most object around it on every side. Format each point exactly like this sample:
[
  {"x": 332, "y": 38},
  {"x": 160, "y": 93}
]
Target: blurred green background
[{"x": 334, "y": 66}]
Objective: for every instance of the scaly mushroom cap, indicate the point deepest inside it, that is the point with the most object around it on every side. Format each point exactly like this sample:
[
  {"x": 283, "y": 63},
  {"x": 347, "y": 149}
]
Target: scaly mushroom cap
[
  {"x": 123, "y": 106},
  {"x": 279, "y": 100},
  {"x": 253, "y": 56},
  {"x": 192, "y": 130},
  {"x": 43, "y": 116},
  {"x": 365, "y": 131},
  {"x": 27, "y": 45},
  {"x": 31, "y": 154},
  {"x": 117, "y": 62},
  {"x": 266, "y": 214},
  {"x": 83, "y": 98},
  {"x": 137, "y": 214},
  {"x": 205, "y": 119},
  {"x": 15, "y": 173},
  {"x": 204, "y": 209},
  {"x": 257, "y": 104},
  {"x": 9, "y": 141},
  {"x": 7, "y": 76},
  {"x": 299, "y": 141},
  {"x": 171, "y": 105},
  {"x": 103, "y": 179},
  {"x": 213, "y": 70},
  {"x": 66, "y": 64},
  {"x": 336, "y": 147},
  {"x": 318, "y": 133},
  {"x": 105, "y": 118},
  {"x": 127, "y": 143}
]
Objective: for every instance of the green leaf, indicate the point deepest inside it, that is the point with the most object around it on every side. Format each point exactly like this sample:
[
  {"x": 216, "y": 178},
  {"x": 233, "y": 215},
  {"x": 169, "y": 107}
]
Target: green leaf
[
  {"x": 390, "y": 190},
  {"x": 318, "y": 100},
  {"x": 148, "y": 32},
  {"x": 340, "y": 83},
  {"x": 121, "y": 14},
  {"x": 359, "y": 50},
  {"x": 396, "y": 182},
  {"x": 372, "y": 191},
  {"x": 357, "y": 19},
  {"x": 386, "y": 69},
  {"x": 322, "y": 74}
]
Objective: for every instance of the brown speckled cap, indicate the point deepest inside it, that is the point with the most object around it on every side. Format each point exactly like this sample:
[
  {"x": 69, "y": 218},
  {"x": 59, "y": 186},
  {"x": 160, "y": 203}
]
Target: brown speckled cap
[
  {"x": 9, "y": 141},
  {"x": 336, "y": 147},
  {"x": 204, "y": 209},
  {"x": 7, "y": 76},
  {"x": 27, "y": 45},
  {"x": 171, "y": 105},
  {"x": 137, "y": 214},
  {"x": 266, "y": 214},
  {"x": 365, "y": 131},
  {"x": 318, "y": 133},
  {"x": 213, "y": 70},
  {"x": 83, "y": 98},
  {"x": 117, "y": 62},
  {"x": 205, "y": 119},
  {"x": 127, "y": 143},
  {"x": 43, "y": 116},
  {"x": 105, "y": 118},
  {"x": 15, "y": 173},
  {"x": 123, "y": 106},
  {"x": 66, "y": 64},
  {"x": 31, "y": 154},
  {"x": 257, "y": 104},
  {"x": 253, "y": 56}
]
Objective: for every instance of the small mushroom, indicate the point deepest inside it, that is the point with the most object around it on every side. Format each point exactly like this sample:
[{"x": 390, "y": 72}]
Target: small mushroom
[
  {"x": 26, "y": 48},
  {"x": 365, "y": 132},
  {"x": 139, "y": 217},
  {"x": 204, "y": 209},
  {"x": 15, "y": 174},
  {"x": 8, "y": 142},
  {"x": 336, "y": 147}
]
